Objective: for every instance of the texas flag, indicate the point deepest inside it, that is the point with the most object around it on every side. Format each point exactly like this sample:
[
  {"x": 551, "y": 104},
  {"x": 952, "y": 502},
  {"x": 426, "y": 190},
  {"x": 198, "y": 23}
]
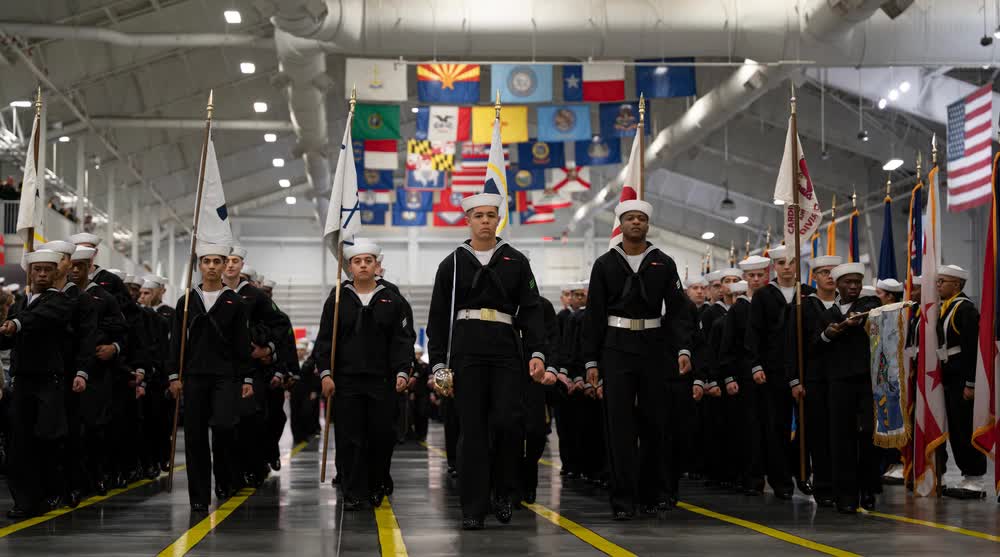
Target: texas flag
[{"x": 594, "y": 82}]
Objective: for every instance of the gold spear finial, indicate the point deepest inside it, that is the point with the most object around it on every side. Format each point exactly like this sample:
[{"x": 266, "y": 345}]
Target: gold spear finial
[
  {"x": 38, "y": 100},
  {"x": 211, "y": 103},
  {"x": 497, "y": 105},
  {"x": 833, "y": 206},
  {"x": 792, "y": 102},
  {"x": 854, "y": 199},
  {"x": 354, "y": 96},
  {"x": 934, "y": 150},
  {"x": 920, "y": 157},
  {"x": 888, "y": 184},
  {"x": 642, "y": 107}
]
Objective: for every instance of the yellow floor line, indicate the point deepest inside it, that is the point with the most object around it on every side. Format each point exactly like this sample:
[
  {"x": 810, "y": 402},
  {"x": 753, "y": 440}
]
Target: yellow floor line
[
  {"x": 390, "y": 537},
  {"x": 56, "y": 513},
  {"x": 768, "y": 531},
  {"x": 947, "y": 527},
  {"x": 189, "y": 539},
  {"x": 581, "y": 532}
]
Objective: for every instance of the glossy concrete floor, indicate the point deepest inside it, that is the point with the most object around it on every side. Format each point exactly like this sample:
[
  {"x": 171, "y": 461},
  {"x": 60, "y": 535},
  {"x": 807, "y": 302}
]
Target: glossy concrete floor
[{"x": 293, "y": 515}]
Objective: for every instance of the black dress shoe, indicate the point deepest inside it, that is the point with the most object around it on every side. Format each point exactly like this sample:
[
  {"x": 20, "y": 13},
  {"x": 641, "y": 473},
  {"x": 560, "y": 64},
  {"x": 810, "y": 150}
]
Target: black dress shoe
[
  {"x": 221, "y": 492},
  {"x": 786, "y": 495},
  {"x": 275, "y": 464},
  {"x": 165, "y": 466},
  {"x": 376, "y": 496},
  {"x": 805, "y": 486},
  {"x": 868, "y": 501},
  {"x": 825, "y": 502},
  {"x": 153, "y": 472},
  {"x": 846, "y": 509},
  {"x": 452, "y": 472},
  {"x": 101, "y": 487},
  {"x": 17, "y": 513},
  {"x": 388, "y": 487},
  {"x": 473, "y": 524},
  {"x": 53, "y": 502},
  {"x": 502, "y": 510},
  {"x": 529, "y": 497},
  {"x": 754, "y": 492},
  {"x": 73, "y": 499},
  {"x": 623, "y": 515},
  {"x": 563, "y": 472},
  {"x": 648, "y": 509},
  {"x": 695, "y": 476},
  {"x": 671, "y": 503},
  {"x": 352, "y": 504},
  {"x": 572, "y": 475},
  {"x": 335, "y": 480},
  {"x": 199, "y": 508}
]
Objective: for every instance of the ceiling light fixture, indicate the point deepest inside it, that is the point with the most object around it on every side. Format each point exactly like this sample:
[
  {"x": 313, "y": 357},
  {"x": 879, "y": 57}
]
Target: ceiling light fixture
[
  {"x": 893, "y": 95},
  {"x": 881, "y": 103},
  {"x": 779, "y": 202},
  {"x": 260, "y": 107},
  {"x": 892, "y": 164},
  {"x": 290, "y": 200},
  {"x": 742, "y": 219},
  {"x": 21, "y": 104},
  {"x": 708, "y": 235},
  {"x": 415, "y": 109},
  {"x": 278, "y": 163},
  {"x": 232, "y": 16},
  {"x": 904, "y": 87},
  {"x": 64, "y": 139},
  {"x": 247, "y": 67},
  {"x": 284, "y": 182},
  {"x": 270, "y": 137}
]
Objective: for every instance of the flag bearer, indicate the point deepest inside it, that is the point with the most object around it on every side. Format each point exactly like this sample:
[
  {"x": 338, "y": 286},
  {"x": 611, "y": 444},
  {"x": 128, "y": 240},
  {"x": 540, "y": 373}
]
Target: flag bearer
[
  {"x": 625, "y": 335},
  {"x": 373, "y": 355},
  {"x": 816, "y": 389},
  {"x": 490, "y": 281},
  {"x": 35, "y": 335},
  {"x": 217, "y": 372},
  {"x": 958, "y": 336},
  {"x": 845, "y": 342}
]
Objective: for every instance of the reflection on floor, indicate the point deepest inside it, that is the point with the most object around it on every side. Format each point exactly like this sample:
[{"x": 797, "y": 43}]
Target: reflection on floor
[{"x": 293, "y": 515}]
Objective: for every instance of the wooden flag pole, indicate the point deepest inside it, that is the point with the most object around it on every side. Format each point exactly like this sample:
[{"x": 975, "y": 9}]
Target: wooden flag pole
[
  {"x": 640, "y": 131},
  {"x": 187, "y": 285},
  {"x": 336, "y": 319},
  {"x": 798, "y": 287}
]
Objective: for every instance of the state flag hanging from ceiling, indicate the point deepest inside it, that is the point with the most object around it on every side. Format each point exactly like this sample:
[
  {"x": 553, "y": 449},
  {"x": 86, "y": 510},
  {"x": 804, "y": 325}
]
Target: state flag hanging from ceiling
[
  {"x": 522, "y": 83},
  {"x": 663, "y": 81},
  {"x": 594, "y": 82},
  {"x": 376, "y": 80},
  {"x": 381, "y": 198},
  {"x": 448, "y": 83},
  {"x": 513, "y": 124},
  {"x": 403, "y": 217},
  {"x": 411, "y": 200},
  {"x": 375, "y": 121},
  {"x": 537, "y": 154},
  {"x": 373, "y": 215},
  {"x": 369, "y": 179},
  {"x": 424, "y": 153},
  {"x": 529, "y": 214},
  {"x": 549, "y": 200},
  {"x": 569, "y": 179},
  {"x": 443, "y": 123},
  {"x": 521, "y": 179},
  {"x": 620, "y": 119},
  {"x": 448, "y": 211},
  {"x": 597, "y": 151},
  {"x": 564, "y": 122},
  {"x": 381, "y": 154}
]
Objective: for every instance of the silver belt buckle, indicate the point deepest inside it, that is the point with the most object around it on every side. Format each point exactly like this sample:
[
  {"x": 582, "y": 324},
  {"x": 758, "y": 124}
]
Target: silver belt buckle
[{"x": 487, "y": 314}]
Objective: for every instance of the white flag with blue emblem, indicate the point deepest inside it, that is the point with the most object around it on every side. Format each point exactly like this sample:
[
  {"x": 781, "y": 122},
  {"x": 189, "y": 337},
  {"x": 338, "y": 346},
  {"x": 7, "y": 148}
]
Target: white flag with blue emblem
[
  {"x": 496, "y": 176},
  {"x": 29, "y": 212},
  {"x": 214, "y": 225},
  {"x": 343, "y": 217}
]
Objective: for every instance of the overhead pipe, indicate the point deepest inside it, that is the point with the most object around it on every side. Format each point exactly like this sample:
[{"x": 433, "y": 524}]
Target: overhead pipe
[
  {"x": 173, "y": 124},
  {"x": 133, "y": 40}
]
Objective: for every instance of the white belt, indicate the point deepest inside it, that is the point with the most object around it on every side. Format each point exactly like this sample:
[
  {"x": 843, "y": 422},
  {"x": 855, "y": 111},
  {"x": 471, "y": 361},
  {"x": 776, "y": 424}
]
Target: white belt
[
  {"x": 943, "y": 353},
  {"x": 633, "y": 324},
  {"x": 485, "y": 314}
]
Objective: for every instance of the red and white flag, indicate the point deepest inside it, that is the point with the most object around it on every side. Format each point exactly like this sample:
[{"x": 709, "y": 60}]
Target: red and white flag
[
  {"x": 985, "y": 429},
  {"x": 570, "y": 178},
  {"x": 931, "y": 427},
  {"x": 970, "y": 146},
  {"x": 470, "y": 174},
  {"x": 810, "y": 215},
  {"x": 381, "y": 154},
  {"x": 604, "y": 82},
  {"x": 548, "y": 200},
  {"x": 631, "y": 187},
  {"x": 448, "y": 123}
]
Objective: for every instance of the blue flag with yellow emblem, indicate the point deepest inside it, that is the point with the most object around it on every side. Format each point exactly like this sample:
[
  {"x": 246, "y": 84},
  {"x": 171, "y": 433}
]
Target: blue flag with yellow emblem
[
  {"x": 540, "y": 154},
  {"x": 522, "y": 83}
]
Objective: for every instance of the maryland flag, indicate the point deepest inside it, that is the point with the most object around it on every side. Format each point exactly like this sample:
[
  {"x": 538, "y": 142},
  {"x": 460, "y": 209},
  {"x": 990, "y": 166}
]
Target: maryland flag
[{"x": 423, "y": 153}]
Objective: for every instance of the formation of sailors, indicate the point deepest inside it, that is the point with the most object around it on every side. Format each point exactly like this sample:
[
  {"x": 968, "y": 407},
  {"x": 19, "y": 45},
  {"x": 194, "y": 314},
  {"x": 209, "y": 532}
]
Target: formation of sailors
[{"x": 647, "y": 379}]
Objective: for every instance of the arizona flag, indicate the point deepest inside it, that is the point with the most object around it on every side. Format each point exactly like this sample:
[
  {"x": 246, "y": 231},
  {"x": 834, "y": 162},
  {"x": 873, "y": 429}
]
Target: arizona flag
[
  {"x": 810, "y": 214},
  {"x": 496, "y": 175},
  {"x": 985, "y": 429},
  {"x": 631, "y": 188},
  {"x": 448, "y": 83},
  {"x": 931, "y": 421}
]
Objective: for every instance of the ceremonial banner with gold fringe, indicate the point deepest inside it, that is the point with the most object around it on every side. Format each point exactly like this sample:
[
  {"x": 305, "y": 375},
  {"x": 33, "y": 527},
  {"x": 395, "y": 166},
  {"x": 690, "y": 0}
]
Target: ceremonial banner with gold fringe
[{"x": 887, "y": 337}]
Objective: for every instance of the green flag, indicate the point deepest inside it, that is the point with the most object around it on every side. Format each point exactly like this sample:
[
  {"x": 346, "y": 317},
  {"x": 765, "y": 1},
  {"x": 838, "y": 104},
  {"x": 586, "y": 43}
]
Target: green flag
[{"x": 375, "y": 121}]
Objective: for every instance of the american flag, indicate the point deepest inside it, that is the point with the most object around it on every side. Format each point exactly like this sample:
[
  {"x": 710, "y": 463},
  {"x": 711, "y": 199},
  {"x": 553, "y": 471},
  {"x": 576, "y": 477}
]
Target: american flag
[
  {"x": 970, "y": 149},
  {"x": 470, "y": 175}
]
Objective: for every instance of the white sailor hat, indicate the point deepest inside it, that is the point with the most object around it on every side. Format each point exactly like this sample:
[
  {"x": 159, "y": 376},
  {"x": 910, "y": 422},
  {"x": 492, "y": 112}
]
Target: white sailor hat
[
  {"x": 779, "y": 252},
  {"x": 953, "y": 271},
  {"x": 867, "y": 290},
  {"x": 730, "y": 272},
  {"x": 162, "y": 280},
  {"x": 212, "y": 249},
  {"x": 249, "y": 271},
  {"x": 117, "y": 272},
  {"x": 754, "y": 263},
  {"x": 83, "y": 253},
  {"x": 268, "y": 283},
  {"x": 568, "y": 287},
  {"x": 239, "y": 251},
  {"x": 713, "y": 276},
  {"x": 915, "y": 279},
  {"x": 889, "y": 285},
  {"x": 151, "y": 281},
  {"x": 581, "y": 285},
  {"x": 12, "y": 287},
  {"x": 482, "y": 200},
  {"x": 847, "y": 269},
  {"x": 85, "y": 238},
  {"x": 738, "y": 287},
  {"x": 61, "y": 246},
  {"x": 697, "y": 280},
  {"x": 826, "y": 261},
  {"x": 132, "y": 279},
  {"x": 42, "y": 256},
  {"x": 643, "y": 207},
  {"x": 360, "y": 248}
]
